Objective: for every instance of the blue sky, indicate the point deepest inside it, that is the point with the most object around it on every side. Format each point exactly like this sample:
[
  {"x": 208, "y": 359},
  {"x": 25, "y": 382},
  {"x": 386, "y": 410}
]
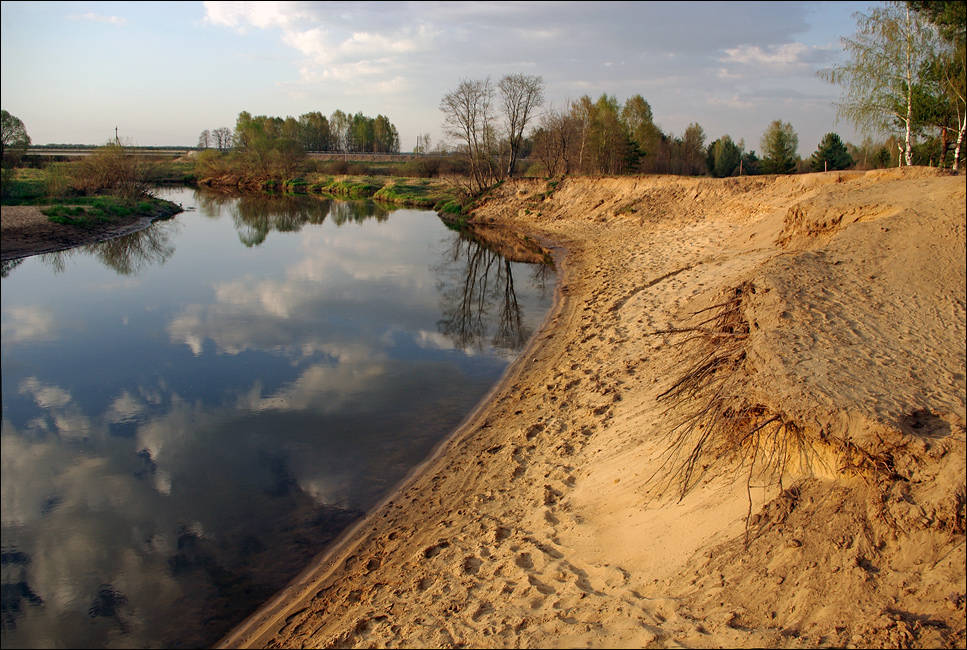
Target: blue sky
[{"x": 161, "y": 72}]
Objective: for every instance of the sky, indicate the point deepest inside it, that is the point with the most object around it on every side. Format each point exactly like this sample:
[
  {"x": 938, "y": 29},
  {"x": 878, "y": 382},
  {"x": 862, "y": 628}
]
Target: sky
[{"x": 162, "y": 72}]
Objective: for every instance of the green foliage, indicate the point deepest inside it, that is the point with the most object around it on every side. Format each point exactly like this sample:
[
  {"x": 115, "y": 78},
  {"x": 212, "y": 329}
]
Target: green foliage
[
  {"x": 607, "y": 141},
  {"x": 87, "y": 212},
  {"x": 23, "y": 186},
  {"x": 605, "y": 137},
  {"x": 779, "y": 148},
  {"x": 295, "y": 186},
  {"x": 643, "y": 133},
  {"x": 12, "y": 147},
  {"x": 831, "y": 155},
  {"x": 14, "y": 141},
  {"x": 724, "y": 157},
  {"x": 751, "y": 165},
  {"x": 870, "y": 154},
  {"x": 211, "y": 163},
  {"x": 173, "y": 172},
  {"x": 950, "y": 17},
  {"x": 892, "y": 49},
  {"x": 313, "y": 132},
  {"x": 415, "y": 193},
  {"x": 451, "y": 210},
  {"x": 352, "y": 187},
  {"x": 113, "y": 169}
]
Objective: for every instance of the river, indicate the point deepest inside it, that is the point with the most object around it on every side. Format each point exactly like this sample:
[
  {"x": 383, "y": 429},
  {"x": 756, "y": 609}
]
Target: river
[{"x": 192, "y": 412}]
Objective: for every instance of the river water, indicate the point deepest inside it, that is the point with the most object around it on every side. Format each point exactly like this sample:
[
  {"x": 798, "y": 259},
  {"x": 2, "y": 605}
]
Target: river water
[{"x": 191, "y": 412}]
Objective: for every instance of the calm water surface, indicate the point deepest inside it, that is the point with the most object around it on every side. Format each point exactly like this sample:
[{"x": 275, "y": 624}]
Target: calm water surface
[{"x": 191, "y": 412}]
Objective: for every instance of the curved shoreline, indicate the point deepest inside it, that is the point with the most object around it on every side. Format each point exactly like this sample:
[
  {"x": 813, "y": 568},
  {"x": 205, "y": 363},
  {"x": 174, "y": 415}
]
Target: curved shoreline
[
  {"x": 26, "y": 231},
  {"x": 537, "y": 523},
  {"x": 255, "y": 630}
]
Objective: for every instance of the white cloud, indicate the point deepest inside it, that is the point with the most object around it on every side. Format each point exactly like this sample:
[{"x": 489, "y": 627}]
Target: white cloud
[
  {"x": 125, "y": 408},
  {"x": 48, "y": 397},
  {"x": 786, "y": 54},
  {"x": 321, "y": 388},
  {"x": 263, "y": 15},
  {"x": 435, "y": 341},
  {"x": 97, "y": 18},
  {"x": 27, "y": 324}
]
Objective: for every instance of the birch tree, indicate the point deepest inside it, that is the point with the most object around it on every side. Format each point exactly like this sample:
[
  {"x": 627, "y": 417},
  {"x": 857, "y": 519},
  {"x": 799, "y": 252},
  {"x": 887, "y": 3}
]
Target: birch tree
[
  {"x": 951, "y": 63},
  {"x": 892, "y": 46},
  {"x": 780, "y": 144},
  {"x": 339, "y": 123}
]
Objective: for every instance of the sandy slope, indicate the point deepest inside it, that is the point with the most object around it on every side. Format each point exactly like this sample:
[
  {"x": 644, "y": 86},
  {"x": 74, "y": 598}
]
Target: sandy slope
[{"x": 800, "y": 338}]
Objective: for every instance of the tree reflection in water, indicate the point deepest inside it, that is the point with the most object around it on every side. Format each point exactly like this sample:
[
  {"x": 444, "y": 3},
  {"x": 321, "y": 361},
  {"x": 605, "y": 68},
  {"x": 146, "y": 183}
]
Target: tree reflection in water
[
  {"x": 235, "y": 467},
  {"x": 7, "y": 266},
  {"x": 256, "y": 215},
  {"x": 128, "y": 254},
  {"x": 478, "y": 296}
]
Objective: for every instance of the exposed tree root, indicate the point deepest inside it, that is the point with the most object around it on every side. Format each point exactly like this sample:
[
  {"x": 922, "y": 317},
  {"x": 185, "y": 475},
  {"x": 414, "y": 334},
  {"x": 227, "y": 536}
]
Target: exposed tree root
[
  {"x": 720, "y": 423},
  {"x": 719, "y": 420}
]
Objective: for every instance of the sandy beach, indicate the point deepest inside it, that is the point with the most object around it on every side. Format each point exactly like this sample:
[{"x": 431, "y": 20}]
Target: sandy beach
[{"x": 742, "y": 425}]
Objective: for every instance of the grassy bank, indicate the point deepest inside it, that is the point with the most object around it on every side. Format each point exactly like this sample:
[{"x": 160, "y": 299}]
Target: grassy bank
[
  {"x": 68, "y": 207},
  {"x": 77, "y": 191},
  {"x": 89, "y": 212},
  {"x": 430, "y": 194}
]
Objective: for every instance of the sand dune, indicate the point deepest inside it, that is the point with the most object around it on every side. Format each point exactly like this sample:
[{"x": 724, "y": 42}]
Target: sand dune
[{"x": 743, "y": 424}]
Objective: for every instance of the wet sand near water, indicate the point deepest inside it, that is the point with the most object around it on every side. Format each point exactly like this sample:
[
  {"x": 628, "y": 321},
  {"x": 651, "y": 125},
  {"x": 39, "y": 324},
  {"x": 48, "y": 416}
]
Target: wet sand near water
[{"x": 742, "y": 425}]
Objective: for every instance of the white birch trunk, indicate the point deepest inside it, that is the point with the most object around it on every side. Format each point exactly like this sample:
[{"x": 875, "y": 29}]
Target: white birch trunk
[{"x": 960, "y": 141}]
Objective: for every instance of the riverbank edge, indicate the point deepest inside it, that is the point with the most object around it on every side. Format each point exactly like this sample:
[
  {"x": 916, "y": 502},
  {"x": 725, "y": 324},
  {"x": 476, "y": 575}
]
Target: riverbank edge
[
  {"x": 263, "y": 624},
  {"x": 26, "y": 231},
  {"x": 402, "y": 570}
]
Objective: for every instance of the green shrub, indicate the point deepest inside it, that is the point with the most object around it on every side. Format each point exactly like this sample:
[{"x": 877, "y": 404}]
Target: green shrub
[
  {"x": 58, "y": 180},
  {"x": 114, "y": 169}
]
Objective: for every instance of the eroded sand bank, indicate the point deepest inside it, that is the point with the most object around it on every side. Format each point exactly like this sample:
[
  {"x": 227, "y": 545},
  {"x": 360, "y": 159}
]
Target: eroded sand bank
[{"x": 803, "y": 328}]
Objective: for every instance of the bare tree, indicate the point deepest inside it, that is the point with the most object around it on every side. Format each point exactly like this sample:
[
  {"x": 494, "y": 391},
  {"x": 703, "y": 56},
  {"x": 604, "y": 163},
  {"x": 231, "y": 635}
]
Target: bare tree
[
  {"x": 521, "y": 95},
  {"x": 222, "y": 138},
  {"x": 205, "y": 139},
  {"x": 467, "y": 118},
  {"x": 422, "y": 144},
  {"x": 556, "y": 141}
]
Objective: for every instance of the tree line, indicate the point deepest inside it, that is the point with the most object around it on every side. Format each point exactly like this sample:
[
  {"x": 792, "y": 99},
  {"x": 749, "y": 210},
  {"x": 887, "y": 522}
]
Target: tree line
[
  {"x": 905, "y": 81},
  {"x": 605, "y": 136},
  {"x": 906, "y": 76},
  {"x": 264, "y": 146},
  {"x": 312, "y": 131},
  {"x": 903, "y": 86}
]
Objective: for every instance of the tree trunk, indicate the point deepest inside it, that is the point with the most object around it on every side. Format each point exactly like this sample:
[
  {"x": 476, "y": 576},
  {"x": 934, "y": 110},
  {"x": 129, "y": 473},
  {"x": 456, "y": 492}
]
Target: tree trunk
[
  {"x": 909, "y": 121},
  {"x": 960, "y": 142}
]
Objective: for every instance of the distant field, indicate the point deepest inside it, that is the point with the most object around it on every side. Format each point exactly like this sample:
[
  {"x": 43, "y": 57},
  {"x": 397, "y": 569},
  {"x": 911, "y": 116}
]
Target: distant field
[
  {"x": 87, "y": 150},
  {"x": 177, "y": 152}
]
